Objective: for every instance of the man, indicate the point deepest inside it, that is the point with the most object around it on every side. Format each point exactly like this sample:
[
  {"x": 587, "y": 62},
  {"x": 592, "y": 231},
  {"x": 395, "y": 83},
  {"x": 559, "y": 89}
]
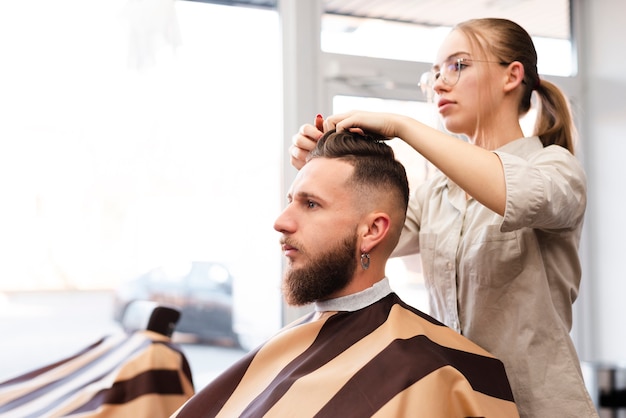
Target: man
[{"x": 362, "y": 352}]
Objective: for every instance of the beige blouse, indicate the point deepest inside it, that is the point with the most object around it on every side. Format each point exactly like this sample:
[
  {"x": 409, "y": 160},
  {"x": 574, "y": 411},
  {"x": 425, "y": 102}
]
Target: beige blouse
[{"x": 508, "y": 283}]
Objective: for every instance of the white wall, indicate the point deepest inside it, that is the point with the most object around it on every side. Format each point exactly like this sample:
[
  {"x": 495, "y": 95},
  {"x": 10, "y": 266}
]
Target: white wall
[{"x": 603, "y": 66}]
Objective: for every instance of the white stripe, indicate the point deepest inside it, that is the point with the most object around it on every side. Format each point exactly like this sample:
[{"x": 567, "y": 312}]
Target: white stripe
[
  {"x": 18, "y": 389},
  {"x": 108, "y": 368}
]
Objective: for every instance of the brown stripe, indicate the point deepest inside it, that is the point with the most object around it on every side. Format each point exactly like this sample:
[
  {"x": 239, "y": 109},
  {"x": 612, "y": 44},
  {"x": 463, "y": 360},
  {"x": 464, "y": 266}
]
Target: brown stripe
[
  {"x": 419, "y": 357},
  {"x": 443, "y": 394},
  {"x": 350, "y": 326},
  {"x": 340, "y": 332},
  {"x": 161, "y": 382},
  {"x": 185, "y": 367},
  {"x": 148, "y": 406},
  {"x": 210, "y": 400},
  {"x": 68, "y": 378},
  {"x": 31, "y": 375},
  {"x": 417, "y": 312}
]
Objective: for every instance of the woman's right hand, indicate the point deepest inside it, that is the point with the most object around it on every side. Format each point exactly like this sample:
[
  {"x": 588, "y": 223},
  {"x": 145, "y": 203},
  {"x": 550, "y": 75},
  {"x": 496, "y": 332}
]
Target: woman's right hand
[
  {"x": 385, "y": 124},
  {"x": 304, "y": 141}
]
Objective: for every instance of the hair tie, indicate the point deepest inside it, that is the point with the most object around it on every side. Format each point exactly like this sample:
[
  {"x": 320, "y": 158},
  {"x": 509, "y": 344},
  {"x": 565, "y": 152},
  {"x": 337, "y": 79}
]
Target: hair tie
[{"x": 538, "y": 84}]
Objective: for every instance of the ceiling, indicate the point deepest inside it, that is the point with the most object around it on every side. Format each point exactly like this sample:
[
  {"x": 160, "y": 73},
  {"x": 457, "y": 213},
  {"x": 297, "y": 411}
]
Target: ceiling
[
  {"x": 549, "y": 18},
  {"x": 546, "y": 18}
]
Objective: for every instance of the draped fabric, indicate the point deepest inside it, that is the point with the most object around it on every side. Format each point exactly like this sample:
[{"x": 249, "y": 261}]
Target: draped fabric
[
  {"x": 385, "y": 360},
  {"x": 126, "y": 375}
]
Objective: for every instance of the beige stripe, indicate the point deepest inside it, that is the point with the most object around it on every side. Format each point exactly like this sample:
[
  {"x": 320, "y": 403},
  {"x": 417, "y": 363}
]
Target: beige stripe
[
  {"x": 411, "y": 324},
  {"x": 17, "y": 390},
  {"x": 157, "y": 356},
  {"x": 82, "y": 380},
  {"x": 445, "y": 393},
  {"x": 495, "y": 407},
  {"x": 153, "y": 406},
  {"x": 324, "y": 383},
  {"x": 269, "y": 361}
]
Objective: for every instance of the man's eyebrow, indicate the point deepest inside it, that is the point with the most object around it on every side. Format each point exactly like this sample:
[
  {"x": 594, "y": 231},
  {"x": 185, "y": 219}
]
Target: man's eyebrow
[{"x": 305, "y": 196}]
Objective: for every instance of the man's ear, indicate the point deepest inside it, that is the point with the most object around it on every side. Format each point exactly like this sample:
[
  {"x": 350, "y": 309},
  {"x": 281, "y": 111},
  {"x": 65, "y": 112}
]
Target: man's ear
[
  {"x": 514, "y": 76},
  {"x": 374, "y": 230}
]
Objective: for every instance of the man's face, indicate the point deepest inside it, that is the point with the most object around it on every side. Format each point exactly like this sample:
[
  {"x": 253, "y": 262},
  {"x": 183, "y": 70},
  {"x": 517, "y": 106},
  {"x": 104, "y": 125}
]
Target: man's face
[{"x": 318, "y": 229}]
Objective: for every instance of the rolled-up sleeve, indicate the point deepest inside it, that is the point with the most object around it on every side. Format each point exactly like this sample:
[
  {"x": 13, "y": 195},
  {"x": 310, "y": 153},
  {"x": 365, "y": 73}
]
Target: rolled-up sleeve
[{"x": 547, "y": 190}]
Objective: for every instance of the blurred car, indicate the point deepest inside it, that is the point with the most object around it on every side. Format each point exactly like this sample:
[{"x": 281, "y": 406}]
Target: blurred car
[{"x": 200, "y": 290}]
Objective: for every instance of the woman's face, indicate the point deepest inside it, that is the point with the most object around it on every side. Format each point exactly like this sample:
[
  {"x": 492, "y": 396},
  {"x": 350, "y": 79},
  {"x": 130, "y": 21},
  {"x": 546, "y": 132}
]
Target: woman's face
[{"x": 466, "y": 90}]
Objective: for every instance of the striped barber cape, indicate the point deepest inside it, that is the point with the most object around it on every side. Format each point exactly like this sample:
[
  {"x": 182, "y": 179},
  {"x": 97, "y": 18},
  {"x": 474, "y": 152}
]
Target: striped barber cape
[
  {"x": 384, "y": 360},
  {"x": 142, "y": 374}
]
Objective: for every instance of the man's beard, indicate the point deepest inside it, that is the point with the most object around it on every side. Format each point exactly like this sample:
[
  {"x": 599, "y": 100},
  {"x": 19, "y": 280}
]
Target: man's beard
[{"x": 324, "y": 275}]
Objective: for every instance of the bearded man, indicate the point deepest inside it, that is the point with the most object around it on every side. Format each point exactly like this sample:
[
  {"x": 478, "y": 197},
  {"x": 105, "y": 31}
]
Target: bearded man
[{"x": 362, "y": 351}]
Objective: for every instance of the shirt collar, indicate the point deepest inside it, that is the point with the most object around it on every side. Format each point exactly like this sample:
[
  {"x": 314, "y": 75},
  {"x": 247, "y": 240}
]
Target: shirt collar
[
  {"x": 358, "y": 300},
  {"x": 522, "y": 146}
]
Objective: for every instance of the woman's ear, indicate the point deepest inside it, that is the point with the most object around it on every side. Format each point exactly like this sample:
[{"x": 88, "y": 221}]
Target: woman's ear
[
  {"x": 374, "y": 230},
  {"x": 514, "y": 76}
]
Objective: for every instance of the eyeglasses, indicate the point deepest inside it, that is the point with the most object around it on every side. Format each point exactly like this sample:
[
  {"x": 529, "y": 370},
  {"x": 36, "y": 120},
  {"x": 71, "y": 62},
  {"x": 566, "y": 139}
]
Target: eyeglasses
[{"x": 449, "y": 72}]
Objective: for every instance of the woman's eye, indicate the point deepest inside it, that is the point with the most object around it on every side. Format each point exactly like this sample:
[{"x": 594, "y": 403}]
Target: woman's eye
[
  {"x": 460, "y": 65},
  {"x": 456, "y": 66}
]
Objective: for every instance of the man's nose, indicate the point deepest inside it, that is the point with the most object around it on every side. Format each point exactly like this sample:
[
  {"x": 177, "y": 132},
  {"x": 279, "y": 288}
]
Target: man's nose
[{"x": 284, "y": 223}]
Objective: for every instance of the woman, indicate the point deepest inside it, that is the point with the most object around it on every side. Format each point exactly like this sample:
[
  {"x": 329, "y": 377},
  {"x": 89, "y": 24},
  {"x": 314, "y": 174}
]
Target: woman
[{"x": 498, "y": 226}]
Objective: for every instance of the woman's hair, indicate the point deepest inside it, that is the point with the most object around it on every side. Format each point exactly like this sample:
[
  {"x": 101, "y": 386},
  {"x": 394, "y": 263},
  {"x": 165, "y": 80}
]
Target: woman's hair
[{"x": 508, "y": 42}]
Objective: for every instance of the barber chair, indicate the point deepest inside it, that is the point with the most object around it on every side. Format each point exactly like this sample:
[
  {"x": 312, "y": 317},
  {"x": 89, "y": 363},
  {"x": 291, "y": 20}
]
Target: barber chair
[{"x": 135, "y": 373}]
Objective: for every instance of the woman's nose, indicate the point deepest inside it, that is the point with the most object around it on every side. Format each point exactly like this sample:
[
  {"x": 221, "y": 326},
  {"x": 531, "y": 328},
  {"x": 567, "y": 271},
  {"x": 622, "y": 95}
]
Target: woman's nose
[{"x": 439, "y": 85}]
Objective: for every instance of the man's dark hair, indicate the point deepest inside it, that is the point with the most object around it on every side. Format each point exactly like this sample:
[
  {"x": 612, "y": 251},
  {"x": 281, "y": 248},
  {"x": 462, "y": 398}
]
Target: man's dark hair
[{"x": 375, "y": 165}]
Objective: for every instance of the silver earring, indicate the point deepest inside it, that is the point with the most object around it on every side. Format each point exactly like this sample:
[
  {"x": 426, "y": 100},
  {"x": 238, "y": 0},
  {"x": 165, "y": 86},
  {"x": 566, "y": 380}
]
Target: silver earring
[{"x": 365, "y": 261}]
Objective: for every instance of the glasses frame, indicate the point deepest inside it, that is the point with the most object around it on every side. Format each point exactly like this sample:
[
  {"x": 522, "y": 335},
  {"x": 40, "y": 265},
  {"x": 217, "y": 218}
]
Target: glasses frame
[{"x": 429, "y": 78}]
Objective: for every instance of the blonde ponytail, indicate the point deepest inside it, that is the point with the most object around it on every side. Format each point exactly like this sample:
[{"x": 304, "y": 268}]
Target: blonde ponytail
[{"x": 555, "y": 124}]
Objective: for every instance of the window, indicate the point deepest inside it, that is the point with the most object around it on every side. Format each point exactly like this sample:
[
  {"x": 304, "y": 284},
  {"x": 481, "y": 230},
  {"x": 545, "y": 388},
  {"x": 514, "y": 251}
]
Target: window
[
  {"x": 134, "y": 136},
  {"x": 414, "y": 31}
]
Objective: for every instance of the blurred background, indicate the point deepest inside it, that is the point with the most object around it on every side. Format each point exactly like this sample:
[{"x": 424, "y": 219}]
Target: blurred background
[{"x": 144, "y": 141}]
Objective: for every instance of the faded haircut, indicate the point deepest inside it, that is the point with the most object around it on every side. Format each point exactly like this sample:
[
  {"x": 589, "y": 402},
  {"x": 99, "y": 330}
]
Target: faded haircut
[{"x": 374, "y": 162}]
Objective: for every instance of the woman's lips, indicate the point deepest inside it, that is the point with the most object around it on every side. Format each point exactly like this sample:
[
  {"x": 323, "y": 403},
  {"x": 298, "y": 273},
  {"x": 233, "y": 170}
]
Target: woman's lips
[{"x": 443, "y": 104}]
